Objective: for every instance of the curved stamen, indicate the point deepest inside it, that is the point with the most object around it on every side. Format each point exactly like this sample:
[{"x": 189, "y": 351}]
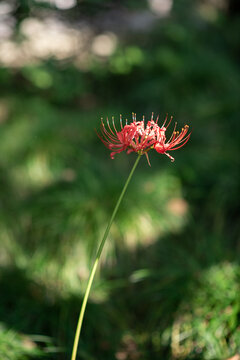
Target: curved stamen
[{"x": 140, "y": 137}]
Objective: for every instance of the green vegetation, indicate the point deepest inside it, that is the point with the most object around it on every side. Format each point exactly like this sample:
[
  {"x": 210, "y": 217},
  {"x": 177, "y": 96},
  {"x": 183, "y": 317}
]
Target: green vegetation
[{"x": 168, "y": 285}]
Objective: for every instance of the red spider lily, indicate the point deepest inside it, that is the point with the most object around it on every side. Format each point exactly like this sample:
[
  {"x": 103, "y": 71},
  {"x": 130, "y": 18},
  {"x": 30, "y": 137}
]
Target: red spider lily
[
  {"x": 176, "y": 141},
  {"x": 136, "y": 137}
]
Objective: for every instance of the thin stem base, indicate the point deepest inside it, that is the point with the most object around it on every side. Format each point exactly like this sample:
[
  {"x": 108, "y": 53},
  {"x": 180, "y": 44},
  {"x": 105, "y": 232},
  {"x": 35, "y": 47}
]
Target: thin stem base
[{"x": 94, "y": 268}]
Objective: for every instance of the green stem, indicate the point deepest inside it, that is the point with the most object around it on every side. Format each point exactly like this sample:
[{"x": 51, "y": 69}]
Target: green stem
[{"x": 94, "y": 268}]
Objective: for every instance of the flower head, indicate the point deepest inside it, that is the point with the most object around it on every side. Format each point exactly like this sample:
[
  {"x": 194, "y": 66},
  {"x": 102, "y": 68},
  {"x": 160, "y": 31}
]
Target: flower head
[{"x": 140, "y": 138}]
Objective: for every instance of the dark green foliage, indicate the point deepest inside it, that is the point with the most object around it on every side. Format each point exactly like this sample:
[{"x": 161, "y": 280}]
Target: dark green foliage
[{"x": 168, "y": 286}]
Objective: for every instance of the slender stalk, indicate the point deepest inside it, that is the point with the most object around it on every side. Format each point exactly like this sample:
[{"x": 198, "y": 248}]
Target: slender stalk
[{"x": 94, "y": 268}]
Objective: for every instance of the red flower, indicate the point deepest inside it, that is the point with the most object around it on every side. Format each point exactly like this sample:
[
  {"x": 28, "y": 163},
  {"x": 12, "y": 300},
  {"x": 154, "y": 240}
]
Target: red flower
[
  {"x": 140, "y": 138},
  {"x": 176, "y": 141}
]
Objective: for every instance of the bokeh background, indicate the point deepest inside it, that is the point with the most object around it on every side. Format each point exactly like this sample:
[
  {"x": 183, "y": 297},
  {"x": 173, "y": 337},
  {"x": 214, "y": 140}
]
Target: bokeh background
[{"x": 168, "y": 284}]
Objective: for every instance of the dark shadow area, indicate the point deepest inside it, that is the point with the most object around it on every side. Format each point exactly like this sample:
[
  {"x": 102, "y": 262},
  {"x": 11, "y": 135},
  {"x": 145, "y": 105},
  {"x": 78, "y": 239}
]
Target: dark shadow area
[
  {"x": 180, "y": 284},
  {"x": 49, "y": 320}
]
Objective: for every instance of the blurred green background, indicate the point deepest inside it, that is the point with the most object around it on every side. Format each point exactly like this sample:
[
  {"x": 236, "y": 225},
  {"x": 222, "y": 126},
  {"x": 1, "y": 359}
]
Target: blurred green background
[{"x": 168, "y": 284}]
